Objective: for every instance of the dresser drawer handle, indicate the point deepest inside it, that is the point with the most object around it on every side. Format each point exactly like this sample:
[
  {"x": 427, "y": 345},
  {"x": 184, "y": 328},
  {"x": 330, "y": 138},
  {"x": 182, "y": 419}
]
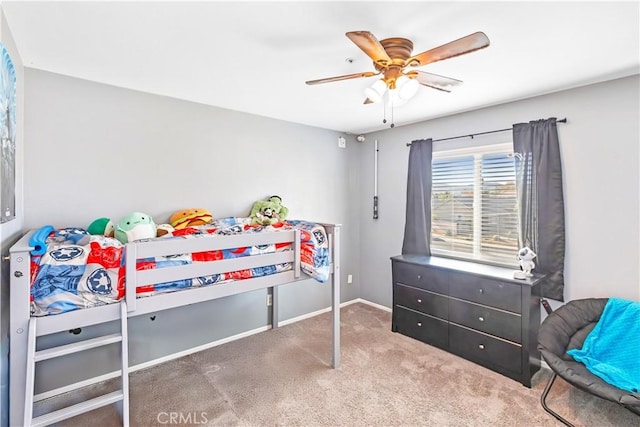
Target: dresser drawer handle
[
  {"x": 419, "y": 323},
  {"x": 481, "y": 290},
  {"x": 419, "y": 300},
  {"x": 481, "y": 346},
  {"x": 481, "y": 319},
  {"x": 419, "y": 277}
]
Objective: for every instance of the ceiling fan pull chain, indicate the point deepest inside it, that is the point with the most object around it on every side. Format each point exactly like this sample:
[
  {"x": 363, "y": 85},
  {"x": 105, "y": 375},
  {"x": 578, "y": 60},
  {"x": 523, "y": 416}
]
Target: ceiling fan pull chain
[
  {"x": 384, "y": 111},
  {"x": 392, "y": 119}
]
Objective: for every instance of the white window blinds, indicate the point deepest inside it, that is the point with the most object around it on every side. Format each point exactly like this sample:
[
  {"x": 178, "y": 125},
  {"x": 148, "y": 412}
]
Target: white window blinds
[{"x": 473, "y": 205}]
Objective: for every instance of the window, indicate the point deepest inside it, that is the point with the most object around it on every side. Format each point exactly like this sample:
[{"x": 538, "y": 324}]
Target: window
[{"x": 474, "y": 212}]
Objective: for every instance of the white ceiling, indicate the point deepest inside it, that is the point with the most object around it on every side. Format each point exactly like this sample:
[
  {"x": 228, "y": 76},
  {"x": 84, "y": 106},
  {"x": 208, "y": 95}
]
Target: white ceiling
[{"x": 255, "y": 56}]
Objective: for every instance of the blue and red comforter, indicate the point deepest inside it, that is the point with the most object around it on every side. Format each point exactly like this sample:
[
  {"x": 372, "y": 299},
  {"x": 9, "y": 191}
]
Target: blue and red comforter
[{"x": 73, "y": 276}]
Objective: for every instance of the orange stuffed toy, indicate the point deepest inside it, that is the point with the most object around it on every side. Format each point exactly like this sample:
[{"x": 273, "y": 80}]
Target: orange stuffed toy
[{"x": 190, "y": 218}]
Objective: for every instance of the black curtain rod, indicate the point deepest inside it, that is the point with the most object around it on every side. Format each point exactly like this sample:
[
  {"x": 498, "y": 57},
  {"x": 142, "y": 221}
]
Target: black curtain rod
[{"x": 471, "y": 135}]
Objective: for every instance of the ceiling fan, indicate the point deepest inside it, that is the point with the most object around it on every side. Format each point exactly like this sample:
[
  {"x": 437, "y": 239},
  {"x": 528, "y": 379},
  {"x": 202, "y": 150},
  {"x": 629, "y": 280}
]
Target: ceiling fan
[{"x": 391, "y": 58}]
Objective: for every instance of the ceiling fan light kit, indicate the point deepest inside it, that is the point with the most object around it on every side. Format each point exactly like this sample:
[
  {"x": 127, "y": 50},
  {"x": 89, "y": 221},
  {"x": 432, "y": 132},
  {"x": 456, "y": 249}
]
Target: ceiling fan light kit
[
  {"x": 376, "y": 91},
  {"x": 404, "y": 89},
  {"x": 391, "y": 57},
  {"x": 407, "y": 87}
]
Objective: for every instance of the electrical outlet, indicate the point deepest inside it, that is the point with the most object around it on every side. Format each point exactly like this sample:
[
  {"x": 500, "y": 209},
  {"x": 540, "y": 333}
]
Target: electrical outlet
[
  {"x": 350, "y": 278},
  {"x": 269, "y": 300},
  {"x": 342, "y": 142}
]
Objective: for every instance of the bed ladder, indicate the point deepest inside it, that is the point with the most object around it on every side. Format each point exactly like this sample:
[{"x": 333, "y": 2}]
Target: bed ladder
[{"x": 119, "y": 396}]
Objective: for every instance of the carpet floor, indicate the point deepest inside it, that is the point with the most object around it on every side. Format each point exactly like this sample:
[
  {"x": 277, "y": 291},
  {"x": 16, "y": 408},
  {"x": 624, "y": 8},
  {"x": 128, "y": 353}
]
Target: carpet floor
[{"x": 283, "y": 377}]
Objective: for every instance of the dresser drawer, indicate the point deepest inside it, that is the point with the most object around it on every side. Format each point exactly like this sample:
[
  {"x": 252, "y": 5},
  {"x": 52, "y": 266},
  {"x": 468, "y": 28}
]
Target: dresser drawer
[
  {"x": 486, "y": 291},
  {"x": 421, "y": 327},
  {"x": 423, "y": 301},
  {"x": 495, "y": 322},
  {"x": 420, "y": 277},
  {"x": 480, "y": 347}
]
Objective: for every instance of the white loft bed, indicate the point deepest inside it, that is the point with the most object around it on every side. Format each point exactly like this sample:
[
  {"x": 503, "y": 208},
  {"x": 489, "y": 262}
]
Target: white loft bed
[{"x": 20, "y": 314}]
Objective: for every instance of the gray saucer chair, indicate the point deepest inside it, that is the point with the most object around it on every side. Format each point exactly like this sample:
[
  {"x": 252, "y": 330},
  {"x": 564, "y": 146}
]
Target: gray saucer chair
[{"x": 564, "y": 329}]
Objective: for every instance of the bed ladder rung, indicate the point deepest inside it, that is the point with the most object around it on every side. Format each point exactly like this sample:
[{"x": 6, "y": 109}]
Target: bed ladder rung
[
  {"x": 77, "y": 409},
  {"x": 62, "y": 350},
  {"x": 120, "y": 396}
]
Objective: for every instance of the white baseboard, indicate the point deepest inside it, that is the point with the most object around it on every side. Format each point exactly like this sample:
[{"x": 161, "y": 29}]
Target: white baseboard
[
  {"x": 173, "y": 356},
  {"x": 305, "y": 316},
  {"x": 372, "y": 304},
  {"x": 328, "y": 309}
]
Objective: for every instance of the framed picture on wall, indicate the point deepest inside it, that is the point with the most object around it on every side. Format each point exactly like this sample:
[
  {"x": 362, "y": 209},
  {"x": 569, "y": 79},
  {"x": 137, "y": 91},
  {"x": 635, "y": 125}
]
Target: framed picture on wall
[{"x": 8, "y": 136}]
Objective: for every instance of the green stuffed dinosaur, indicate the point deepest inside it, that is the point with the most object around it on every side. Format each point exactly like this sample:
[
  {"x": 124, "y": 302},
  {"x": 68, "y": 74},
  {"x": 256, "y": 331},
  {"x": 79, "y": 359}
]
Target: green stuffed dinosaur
[{"x": 268, "y": 212}]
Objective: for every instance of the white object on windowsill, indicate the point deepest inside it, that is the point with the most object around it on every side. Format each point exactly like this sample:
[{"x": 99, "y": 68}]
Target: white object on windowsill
[
  {"x": 525, "y": 256},
  {"x": 519, "y": 275}
]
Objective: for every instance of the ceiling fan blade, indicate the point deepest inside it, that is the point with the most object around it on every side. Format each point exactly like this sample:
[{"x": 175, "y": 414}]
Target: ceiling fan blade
[
  {"x": 467, "y": 44},
  {"x": 345, "y": 77},
  {"x": 371, "y": 46},
  {"x": 435, "y": 81}
]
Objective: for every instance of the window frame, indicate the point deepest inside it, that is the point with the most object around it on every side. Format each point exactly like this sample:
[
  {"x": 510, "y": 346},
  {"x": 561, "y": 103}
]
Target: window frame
[{"x": 476, "y": 151}]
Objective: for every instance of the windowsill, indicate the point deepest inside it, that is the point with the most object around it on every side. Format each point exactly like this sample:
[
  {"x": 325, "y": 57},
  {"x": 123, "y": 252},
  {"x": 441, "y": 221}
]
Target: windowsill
[
  {"x": 477, "y": 261},
  {"x": 466, "y": 266}
]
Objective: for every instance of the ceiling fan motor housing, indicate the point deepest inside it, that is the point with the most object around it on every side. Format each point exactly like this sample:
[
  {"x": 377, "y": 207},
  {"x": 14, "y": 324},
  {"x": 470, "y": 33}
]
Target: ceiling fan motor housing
[{"x": 398, "y": 49}]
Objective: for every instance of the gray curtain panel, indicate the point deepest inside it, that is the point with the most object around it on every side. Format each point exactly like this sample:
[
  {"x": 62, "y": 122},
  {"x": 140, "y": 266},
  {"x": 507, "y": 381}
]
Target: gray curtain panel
[
  {"x": 540, "y": 199},
  {"x": 417, "y": 228}
]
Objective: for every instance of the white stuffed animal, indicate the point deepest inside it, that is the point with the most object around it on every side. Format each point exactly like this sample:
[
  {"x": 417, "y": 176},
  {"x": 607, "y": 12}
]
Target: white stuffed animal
[{"x": 526, "y": 256}]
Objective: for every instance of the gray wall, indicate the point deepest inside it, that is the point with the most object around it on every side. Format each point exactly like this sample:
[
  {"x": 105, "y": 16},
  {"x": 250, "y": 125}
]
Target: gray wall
[
  {"x": 94, "y": 150},
  {"x": 599, "y": 149},
  {"x": 12, "y": 230}
]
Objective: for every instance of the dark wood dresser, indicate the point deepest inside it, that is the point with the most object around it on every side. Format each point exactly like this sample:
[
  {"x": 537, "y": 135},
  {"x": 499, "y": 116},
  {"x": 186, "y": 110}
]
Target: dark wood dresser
[{"x": 475, "y": 311}]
